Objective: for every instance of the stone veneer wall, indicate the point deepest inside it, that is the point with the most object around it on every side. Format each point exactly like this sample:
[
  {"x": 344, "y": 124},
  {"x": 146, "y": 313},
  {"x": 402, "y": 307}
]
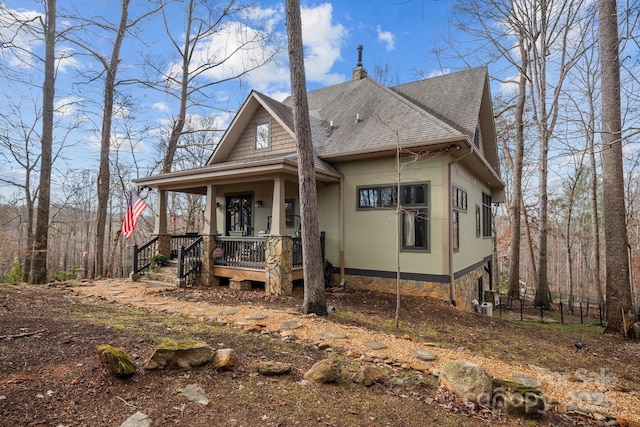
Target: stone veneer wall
[
  {"x": 164, "y": 245},
  {"x": 208, "y": 245},
  {"x": 407, "y": 287},
  {"x": 466, "y": 289},
  {"x": 279, "y": 265}
]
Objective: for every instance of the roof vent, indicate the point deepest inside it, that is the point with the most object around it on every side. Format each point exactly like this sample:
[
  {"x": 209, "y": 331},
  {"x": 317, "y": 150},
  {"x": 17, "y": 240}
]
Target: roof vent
[{"x": 359, "y": 72}]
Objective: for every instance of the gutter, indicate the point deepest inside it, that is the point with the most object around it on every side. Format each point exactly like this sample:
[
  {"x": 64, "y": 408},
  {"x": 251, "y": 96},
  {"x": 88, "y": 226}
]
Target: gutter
[
  {"x": 452, "y": 294},
  {"x": 341, "y": 238}
]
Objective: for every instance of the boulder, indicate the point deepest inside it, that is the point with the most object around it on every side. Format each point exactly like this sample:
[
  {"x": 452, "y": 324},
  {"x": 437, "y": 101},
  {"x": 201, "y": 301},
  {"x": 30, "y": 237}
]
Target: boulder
[
  {"x": 518, "y": 399},
  {"x": 180, "y": 355},
  {"x": 324, "y": 371},
  {"x": 368, "y": 375},
  {"x": 467, "y": 380},
  {"x": 225, "y": 358},
  {"x": 195, "y": 393},
  {"x": 137, "y": 420},
  {"x": 116, "y": 361},
  {"x": 272, "y": 368}
]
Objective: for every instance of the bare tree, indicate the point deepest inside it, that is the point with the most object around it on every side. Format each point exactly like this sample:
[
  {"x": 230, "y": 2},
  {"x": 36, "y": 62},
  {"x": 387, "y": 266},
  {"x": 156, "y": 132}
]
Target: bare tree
[
  {"x": 619, "y": 301},
  {"x": 39, "y": 274},
  {"x": 314, "y": 293},
  {"x": 189, "y": 80}
]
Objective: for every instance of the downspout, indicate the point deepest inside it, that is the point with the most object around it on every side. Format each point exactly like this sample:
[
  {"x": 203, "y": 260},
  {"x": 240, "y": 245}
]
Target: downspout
[
  {"x": 452, "y": 282},
  {"x": 341, "y": 231}
]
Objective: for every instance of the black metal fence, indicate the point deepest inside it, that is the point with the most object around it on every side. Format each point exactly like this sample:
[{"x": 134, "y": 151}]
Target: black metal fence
[{"x": 578, "y": 312}]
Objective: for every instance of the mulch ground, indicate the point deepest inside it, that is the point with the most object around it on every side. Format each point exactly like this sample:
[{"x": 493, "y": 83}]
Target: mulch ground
[{"x": 54, "y": 377}]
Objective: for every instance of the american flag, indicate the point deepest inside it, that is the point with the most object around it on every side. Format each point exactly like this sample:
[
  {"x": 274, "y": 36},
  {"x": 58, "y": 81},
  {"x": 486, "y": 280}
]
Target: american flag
[{"x": 135, "y": 207}]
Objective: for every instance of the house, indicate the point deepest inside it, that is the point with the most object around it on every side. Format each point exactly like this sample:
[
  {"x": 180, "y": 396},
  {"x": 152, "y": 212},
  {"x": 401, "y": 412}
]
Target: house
[{"x": 449, "y": 177}]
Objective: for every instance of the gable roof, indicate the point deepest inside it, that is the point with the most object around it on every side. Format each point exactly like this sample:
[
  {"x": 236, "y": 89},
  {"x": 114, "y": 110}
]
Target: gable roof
[{"x": 361, "y": 118}]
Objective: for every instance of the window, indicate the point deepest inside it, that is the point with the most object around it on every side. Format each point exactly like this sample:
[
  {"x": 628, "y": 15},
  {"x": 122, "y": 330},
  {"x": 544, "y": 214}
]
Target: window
[
  {"x": 415, "y": 214},
  {"x": 263, "y": 136},
  {"x": 459, "y": 204},
  {"x": 459, "y": 199},
  {"x": 289, "y": 211},
  {"x": 478, "y": 221},
  {"x": 377, "y": 197},
  {"x": 486, "y": 215},
  {"x": 456, "y": 231}
]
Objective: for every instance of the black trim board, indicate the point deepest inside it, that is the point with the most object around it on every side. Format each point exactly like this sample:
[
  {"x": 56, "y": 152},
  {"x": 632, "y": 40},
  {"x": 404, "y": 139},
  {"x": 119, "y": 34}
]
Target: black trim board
[{"x": 434, "y": 278}]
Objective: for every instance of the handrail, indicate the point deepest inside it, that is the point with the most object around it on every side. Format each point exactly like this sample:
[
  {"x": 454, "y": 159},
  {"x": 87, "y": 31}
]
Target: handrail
[
  {"x": 189, "y": 262},
  {"x": 142, "y": 255}
]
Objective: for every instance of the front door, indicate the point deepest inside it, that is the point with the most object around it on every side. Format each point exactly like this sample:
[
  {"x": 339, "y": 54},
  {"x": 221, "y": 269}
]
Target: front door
[{"x": 239, "y": 213}]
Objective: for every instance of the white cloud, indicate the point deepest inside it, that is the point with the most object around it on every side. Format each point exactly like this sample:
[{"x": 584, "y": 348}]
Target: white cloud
[
  {"x": 21, "y": 35},
  {"x": 66, "y": 107},
  {"x": 65, "y": 59},
  {"x": 162, "y": 107},
  {"x": 323, "y": 40},
  {"x": 386, "y": 37}
]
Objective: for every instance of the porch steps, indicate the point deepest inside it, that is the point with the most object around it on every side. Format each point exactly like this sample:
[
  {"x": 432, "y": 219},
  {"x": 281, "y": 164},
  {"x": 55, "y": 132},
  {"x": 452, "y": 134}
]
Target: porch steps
[{"x": 167, "y": 274}]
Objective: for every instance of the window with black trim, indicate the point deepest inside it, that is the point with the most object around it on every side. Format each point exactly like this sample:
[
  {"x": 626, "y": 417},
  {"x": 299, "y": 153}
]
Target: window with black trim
[
  {"x": 478, "y": 221},
  {"x": 456, "y": 231},
  {"x": 459, "y": 198},
  {"x": 377, "y": 197},
  {"x": 262, "y": 140},
  {"x": 486, "y": 215},
  {"x": 289, "y": 211},
  {"x": 415, "y": 210}
]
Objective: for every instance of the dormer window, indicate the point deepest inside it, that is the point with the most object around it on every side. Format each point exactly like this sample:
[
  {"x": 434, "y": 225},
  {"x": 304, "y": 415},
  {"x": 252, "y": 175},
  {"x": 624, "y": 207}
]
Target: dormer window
[{"x": 262, "y": 136}]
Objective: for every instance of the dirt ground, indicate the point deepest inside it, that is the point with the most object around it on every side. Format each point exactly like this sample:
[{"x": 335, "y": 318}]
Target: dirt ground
[{"x": 50, "y": 374}]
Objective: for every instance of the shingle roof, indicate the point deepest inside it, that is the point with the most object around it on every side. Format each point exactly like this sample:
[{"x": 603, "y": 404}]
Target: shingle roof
[
  {"x": 453, "y": 98},
  {"x": 367, "y": 116}
]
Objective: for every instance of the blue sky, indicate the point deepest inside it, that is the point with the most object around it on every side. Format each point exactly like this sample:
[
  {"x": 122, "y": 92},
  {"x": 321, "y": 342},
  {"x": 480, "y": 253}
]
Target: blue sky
[{"x": 398, "y": 34}]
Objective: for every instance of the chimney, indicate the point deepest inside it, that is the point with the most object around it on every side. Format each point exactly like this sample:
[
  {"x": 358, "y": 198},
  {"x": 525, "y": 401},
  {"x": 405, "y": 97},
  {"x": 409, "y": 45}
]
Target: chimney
[{"x": 359, "y": 72}]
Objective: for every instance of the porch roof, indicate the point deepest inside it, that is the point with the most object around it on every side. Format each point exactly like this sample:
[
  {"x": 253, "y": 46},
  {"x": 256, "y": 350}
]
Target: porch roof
[{"x": 195, "y": 181}]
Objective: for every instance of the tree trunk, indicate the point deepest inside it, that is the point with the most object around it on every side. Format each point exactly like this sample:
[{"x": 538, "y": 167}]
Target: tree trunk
[
  {"x": 619, "y": 301},
  {"x": 104, "y": 175},
  {"x": 516, "y": 219},
  {"x": 314, "y": 292},
  {"x": 44, "y": 195},
  {"x": 178, "y": 125}
]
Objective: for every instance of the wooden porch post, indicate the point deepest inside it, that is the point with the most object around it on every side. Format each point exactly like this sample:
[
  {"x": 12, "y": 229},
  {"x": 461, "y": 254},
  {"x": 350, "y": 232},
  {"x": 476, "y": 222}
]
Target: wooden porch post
[
  {"x": 160, "y": 229},
  {"x": 278, "y": 247},
  {"x": 209, "y": 232},
  {"x": 278, "y": 226}
]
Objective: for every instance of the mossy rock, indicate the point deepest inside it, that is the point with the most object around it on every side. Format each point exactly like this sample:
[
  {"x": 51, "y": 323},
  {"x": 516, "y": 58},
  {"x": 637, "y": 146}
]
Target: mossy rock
[
  {"x": 116, "y": 361},
  {"x": 518, "y": 399}
]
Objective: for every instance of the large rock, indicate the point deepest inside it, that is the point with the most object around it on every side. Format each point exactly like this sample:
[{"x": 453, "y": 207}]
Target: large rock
[
  {"x": 137, "y": 420},
  {"x": 180, "y": 355},
  {"x": 368, "y": 375},
  {"x": 272, "y": 368},
  {"x": 467, "y": 380},
  {"x": 324, "y": 371},
  {"x": 225, "y": 358},
  {"x": 518, "y": 399},
  {"x": 195, "y": 393},
  {"x": 116, "y": 361}
]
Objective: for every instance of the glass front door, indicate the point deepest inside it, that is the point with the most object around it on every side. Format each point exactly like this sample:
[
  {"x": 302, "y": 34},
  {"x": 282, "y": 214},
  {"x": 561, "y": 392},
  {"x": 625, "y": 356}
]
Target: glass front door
[{"x": 239, "y": 213}]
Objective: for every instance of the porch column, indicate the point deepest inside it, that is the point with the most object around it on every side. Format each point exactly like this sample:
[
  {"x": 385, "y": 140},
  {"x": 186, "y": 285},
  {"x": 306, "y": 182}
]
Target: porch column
[
  {"x": 209, "y": 232},
  {"x": 279, "y": 265},
  {"x": 160, "y": 229},
  {"x": 278, "y": 224}
]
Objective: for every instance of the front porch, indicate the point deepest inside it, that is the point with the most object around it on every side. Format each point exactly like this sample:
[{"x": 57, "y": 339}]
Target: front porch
[{"x": 275, "y": 261}]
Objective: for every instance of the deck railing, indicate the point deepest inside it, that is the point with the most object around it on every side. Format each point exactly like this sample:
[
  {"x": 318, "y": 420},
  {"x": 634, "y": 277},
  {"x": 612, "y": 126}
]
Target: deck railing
[
  {"x": 246, "y": 252},
  {"x": 189, "y": 262},
  {"x": 143, "y": 255}
]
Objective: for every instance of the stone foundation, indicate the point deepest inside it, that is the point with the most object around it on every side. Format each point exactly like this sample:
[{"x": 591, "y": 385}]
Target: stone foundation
[
  {"x": 208, "y": 245},
  {"x": 466, "y": 287},
  {"x": 279, "y": 265},
  {"x": 407, "y": 287},
  {"x": 164, "y": 245},
  {"x": 239, "y": 285}
]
